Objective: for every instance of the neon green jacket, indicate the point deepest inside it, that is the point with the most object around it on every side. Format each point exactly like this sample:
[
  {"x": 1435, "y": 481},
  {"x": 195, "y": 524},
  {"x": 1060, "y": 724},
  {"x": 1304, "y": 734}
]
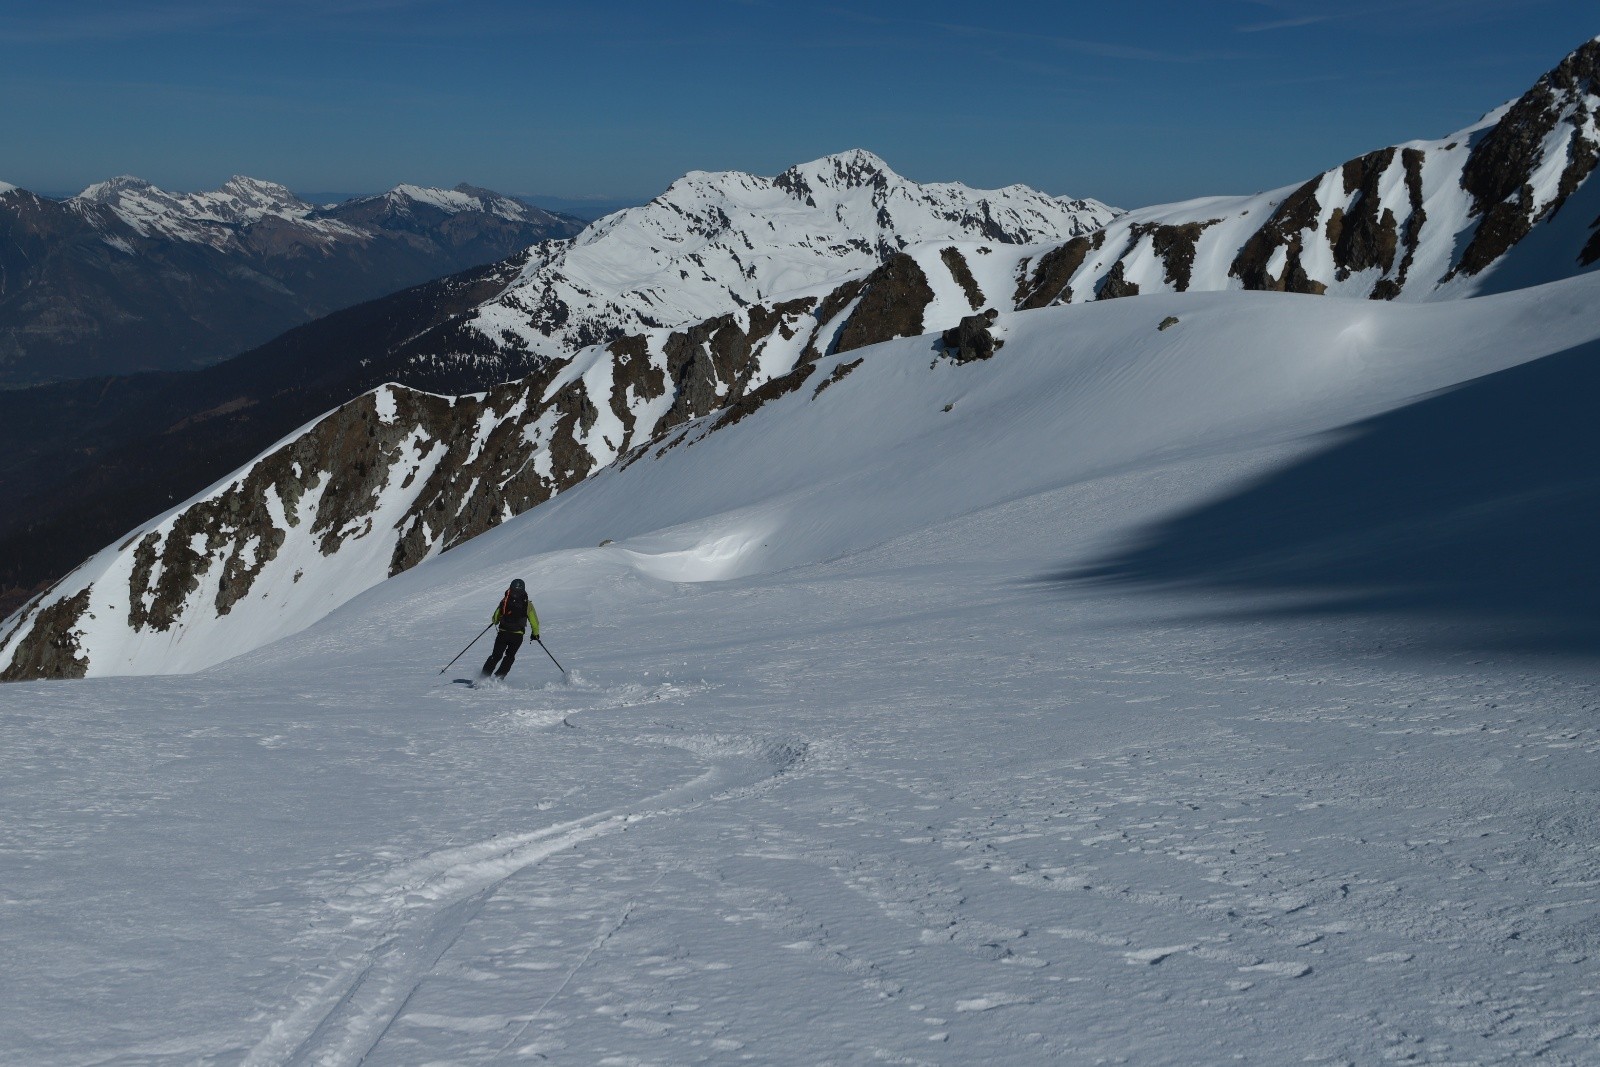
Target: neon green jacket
[{"x": 533, "y": 617}]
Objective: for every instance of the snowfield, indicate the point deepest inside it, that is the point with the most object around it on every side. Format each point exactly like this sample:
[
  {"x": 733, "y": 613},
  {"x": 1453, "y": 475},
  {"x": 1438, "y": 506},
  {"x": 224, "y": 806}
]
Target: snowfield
[{"x": 899, "y": 727}]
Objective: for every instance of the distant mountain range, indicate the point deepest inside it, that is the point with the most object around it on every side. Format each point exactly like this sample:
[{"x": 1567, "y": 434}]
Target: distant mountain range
[
  {"x": 663, "y": 323},
  {"x": 126, "y": 277}
]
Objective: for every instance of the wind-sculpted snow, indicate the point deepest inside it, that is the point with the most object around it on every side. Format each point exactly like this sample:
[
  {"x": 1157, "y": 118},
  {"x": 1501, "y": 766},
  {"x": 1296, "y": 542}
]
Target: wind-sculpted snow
[
  {"x": 903, "y": 803},
  {"x": 1500, "y": 205}
]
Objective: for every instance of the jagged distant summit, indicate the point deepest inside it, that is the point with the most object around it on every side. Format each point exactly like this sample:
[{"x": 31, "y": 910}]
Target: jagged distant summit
[
  {"x": 211, "y": 217},
  {"x": 716, "y": 240},
  {"x": 860, "y": 169}
]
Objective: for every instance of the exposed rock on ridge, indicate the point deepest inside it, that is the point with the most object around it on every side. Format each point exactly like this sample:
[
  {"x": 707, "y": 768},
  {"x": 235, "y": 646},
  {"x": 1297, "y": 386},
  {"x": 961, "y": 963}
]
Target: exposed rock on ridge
[
  {"x": 1427, "y": 220},
  {"x": 713, "y": 242},
  {"x": 383, "y": 482}
]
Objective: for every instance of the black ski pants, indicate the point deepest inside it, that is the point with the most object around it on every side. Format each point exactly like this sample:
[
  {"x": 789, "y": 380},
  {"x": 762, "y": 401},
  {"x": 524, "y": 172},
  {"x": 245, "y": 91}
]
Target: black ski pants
[{"x": 506, "y": 643}]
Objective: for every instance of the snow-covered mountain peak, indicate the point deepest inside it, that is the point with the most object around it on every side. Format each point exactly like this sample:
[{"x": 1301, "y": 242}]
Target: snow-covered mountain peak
[
  {"x": 854, "y": 169},
  {"x": 462, "y": 198},
  {"x": 1505, "y": 203},
  {"x": 249, "y": 198},
  {"x": 112, "y": 188},
  {"x": 714, "y": 242},
  {"x": 206, "y": 217}
]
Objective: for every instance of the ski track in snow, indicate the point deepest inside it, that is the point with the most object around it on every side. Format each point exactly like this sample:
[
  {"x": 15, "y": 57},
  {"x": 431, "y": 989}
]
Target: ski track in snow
[
  {"x": 1158, "y": 840},
  {"x": 1180, "y": 846},
  {"x": 413, "y": 913},
  {"x": 1020, "y": 820}
]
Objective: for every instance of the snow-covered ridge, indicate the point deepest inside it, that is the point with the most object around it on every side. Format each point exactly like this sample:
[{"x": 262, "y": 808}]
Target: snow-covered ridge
[
  {"x": 461, "y": 198},
  {"x": 1505, "y": 203},
  {"x": 213, "y": 217},
  {"x": 395, "y": 476},
  {"x": 713, "y": 242},
  {"x": 201, "y": 217}
]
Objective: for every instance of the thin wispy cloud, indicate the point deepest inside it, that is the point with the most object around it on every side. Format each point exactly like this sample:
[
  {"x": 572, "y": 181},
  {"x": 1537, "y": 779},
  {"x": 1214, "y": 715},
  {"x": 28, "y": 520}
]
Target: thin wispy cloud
[
  {"x": 1077, "y": 45},
  {"x": 1286, "y": 24},
  {"x": 1290, "y": 14}
]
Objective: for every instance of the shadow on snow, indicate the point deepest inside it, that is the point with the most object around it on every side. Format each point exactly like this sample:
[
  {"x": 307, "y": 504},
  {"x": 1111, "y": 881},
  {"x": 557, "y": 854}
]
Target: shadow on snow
[{"x": 1477, "y": 508}]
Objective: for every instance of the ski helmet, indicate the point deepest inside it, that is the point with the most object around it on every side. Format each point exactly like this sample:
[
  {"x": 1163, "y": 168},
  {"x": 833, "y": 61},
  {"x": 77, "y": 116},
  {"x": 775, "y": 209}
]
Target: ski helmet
[{"x": 517, "y": 586}]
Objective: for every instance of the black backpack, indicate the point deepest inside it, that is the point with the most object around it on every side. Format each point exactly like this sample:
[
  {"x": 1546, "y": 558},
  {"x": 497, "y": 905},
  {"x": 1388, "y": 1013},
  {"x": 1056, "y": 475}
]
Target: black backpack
[{"x": 514, "y": 610}]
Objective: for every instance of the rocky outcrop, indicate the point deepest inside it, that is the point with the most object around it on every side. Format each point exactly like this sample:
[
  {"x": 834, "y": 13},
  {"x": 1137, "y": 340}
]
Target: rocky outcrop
[
  {"x": 1386, "y": 225},
  {"x": 1501, "y": 171},
  {"x": 1115, "y": 285},
  {"x": 1591, "y": 249},
  {"x": 1050, "y": 282},
  {"x": 50, "y": 648},
  {"x": 1283, "y": 236},
  {"x": 1175, "y": 245},
  {"x": 891, "y": 305},
  {"x": 970, "y": 339},
  {"x": 961, "y": 271}
]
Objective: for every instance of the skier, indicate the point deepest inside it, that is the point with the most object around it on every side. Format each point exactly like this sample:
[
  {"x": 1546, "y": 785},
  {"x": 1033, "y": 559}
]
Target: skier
[{"x": 514, "y": 613}]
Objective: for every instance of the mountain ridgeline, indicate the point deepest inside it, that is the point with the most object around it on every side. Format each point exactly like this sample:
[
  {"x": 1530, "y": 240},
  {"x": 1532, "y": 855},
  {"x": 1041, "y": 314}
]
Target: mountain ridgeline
[
  {"x": 665, "y": 323},
  {"x": 82, "y": 462},
  {"x": 1504, "y": 204},
  {"x": 127, "y": 277}
]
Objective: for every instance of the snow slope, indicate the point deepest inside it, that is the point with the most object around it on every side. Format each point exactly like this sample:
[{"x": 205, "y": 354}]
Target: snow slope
[
  {"x": 840, "y": 774},
  {"x": 395, "y": 475},
  {"x": 1072, "y": 394}
]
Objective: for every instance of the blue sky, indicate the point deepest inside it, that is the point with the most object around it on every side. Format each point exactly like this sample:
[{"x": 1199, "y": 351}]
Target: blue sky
[{"x": 1138, "y": 102}]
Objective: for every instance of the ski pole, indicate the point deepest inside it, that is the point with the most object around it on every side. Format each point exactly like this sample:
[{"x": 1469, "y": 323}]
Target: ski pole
[
  {"x": 547, "y": 652},
  {"x": 463, "y": 652}
]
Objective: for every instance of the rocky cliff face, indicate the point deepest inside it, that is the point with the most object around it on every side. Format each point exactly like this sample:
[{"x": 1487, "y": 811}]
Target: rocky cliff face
[
  {"x": 127, "y": 277},
  {"x": 1502, "y": 205}
]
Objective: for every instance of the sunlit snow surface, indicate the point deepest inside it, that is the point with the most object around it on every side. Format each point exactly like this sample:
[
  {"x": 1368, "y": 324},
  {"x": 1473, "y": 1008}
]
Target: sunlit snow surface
[{"x": 843, "y": 771}]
